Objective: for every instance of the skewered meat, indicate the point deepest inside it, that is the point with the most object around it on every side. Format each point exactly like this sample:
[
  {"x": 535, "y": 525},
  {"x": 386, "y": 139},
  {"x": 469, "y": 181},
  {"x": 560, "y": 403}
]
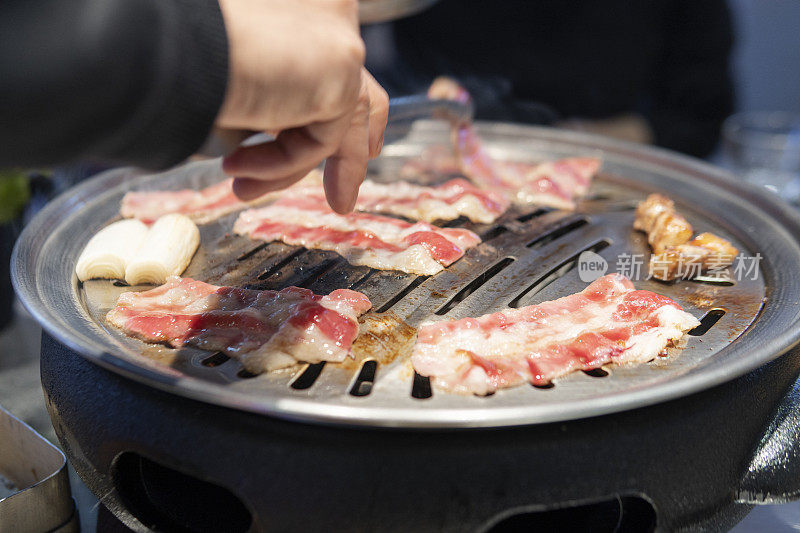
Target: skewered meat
[
  {"x": 608, "y": 322},
  {"x": 704, "y": 253},
  {"x": 265, "y": 330},
  {"x": 363, "y": 239},
  {"x": 664, "y": 226},
  {"x": 674, "y": 255}
]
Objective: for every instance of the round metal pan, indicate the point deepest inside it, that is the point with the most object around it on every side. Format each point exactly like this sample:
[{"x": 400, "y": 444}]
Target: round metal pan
[{"x": 762, "y": 320}]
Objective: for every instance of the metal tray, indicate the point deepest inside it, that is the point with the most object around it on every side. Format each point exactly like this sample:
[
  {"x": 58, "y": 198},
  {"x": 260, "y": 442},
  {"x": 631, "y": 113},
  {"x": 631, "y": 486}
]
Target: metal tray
[{"x": 527, "y": 257}]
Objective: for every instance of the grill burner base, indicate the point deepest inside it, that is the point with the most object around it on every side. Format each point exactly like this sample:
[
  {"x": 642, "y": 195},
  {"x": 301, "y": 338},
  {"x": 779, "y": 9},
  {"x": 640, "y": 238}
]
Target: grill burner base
[{"x": 686, "y": 459}]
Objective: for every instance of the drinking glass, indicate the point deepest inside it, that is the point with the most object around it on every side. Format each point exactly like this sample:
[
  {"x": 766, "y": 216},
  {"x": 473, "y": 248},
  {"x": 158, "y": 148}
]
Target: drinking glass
[{"x": 764, "y": 149}]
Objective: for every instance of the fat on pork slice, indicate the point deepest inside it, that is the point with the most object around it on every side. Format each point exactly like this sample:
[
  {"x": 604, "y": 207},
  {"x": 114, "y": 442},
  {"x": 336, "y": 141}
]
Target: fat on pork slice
[
  {"x": 363, "y": 239},
  {"x": 265, "y": 330},
  {"x": 446, "y": 201},
  {"x": 608, "y": 322}
]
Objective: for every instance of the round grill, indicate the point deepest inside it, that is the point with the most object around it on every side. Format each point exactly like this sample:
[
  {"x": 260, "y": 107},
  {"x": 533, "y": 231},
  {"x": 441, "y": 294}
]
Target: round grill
[{"x": 527, "y": 256}]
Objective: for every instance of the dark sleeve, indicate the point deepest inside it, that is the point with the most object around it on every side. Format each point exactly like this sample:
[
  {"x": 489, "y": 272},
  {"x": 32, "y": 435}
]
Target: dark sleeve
[
  {"x": 127, "y": 81},
  {"x": 692, "y": 88}
]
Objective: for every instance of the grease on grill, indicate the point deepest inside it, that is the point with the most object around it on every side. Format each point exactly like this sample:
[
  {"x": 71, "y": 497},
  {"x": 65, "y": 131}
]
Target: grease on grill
[{"x": 383, "y": 337}]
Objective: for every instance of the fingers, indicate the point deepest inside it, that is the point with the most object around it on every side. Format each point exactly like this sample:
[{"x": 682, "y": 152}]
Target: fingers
[
  {"x": 247, "y": 189},
  {"x": 345, "y": 169},
  {"x": 347, "y": 143},
  {"x": 291, "y": 152},
  {"x": 378, "y": 113}
]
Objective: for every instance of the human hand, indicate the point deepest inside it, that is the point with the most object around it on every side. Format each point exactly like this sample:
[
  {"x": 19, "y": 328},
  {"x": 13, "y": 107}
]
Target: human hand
[{"x": 296, "y": 68}]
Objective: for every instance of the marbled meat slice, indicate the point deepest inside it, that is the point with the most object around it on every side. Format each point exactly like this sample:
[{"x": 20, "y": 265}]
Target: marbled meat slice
[
  {"x": 265, "y": 330},
  {"x": 608, "y": 322},
  {"x": 363, "y": 239}
]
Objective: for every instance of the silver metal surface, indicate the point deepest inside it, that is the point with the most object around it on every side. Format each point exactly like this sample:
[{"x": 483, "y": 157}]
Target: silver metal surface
[
  {"x": 372, "y": 11},
  {"x": 42, "y": 500},
  {"x": 526, "y": 257}
]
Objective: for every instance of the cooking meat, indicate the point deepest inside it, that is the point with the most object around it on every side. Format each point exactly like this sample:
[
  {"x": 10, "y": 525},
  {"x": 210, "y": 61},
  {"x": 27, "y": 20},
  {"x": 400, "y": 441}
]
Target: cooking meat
[
  {"x": 664, "y": 226},
  {"x": 265, "y": 330},
  {"x": 203, "y": 206},
  {"x": 706, "y": 252},
  {"x": 552, "y": 183},
  {"x": 608, "y": 322},
  {"x": 363, "y": 239},
  {"x": 674, "y": 254},
  {"x": 447, "y": 201}
]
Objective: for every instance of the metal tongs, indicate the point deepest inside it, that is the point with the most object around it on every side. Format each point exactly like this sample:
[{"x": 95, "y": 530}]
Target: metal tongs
[{"x": 404, "y": 110}]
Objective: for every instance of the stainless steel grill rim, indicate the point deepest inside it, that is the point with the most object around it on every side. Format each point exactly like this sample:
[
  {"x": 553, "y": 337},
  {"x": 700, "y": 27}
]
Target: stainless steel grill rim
[{"x": 49, "y": 244}]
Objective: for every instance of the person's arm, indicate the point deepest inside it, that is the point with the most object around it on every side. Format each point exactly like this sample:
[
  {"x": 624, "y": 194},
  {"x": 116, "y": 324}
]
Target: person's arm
[
  {"x": 691, "y": 83},
  {"x": 138, "y": 82},
  {"x": 142, "y": 82}
]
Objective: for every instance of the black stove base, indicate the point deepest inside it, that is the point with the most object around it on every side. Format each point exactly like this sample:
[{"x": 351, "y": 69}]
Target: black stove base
[{"x": 163, "y": 462}]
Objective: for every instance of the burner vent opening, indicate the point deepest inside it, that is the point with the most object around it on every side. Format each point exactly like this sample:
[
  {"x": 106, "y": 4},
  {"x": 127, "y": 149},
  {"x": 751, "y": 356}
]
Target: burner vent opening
[
  {"x": 626, "y": 513},
  {"x": 163, "y": 499}
]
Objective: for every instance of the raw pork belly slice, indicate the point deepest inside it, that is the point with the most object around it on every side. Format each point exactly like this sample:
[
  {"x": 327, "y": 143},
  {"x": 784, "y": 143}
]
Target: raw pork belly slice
[
  {"x": 448, "y": 201},
  {"x": 551, "y": 183},
  {"x": 201, "y": 206},
  {"x": 265, "y": 330},
  {"x": 609, "y": 321},
  {"x": 363, "y": 239}
]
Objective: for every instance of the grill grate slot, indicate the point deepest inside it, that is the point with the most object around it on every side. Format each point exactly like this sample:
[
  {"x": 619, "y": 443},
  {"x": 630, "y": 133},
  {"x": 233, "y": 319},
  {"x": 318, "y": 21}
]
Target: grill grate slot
[
  {"x": 556, "y": 233},
  {"x": 458, "y": 222},
  {"x": 546, "y": 386},
  {"x": 308, "y": 376},
  {"x": 274, "y": 269},
  {"x": 557, "y": 272},
  {"x": 534, "y": 214},
  {"x": 244, "y": 374},
  {"x": 421, "y": 387},
  {"x": 596, "y": 372},
  {"x": 251, "y": 253},
  {"x": 475, "y": 284},
  {"x": 366, "y": 377},
  {"x": 402, "y": 294},
  {"x": 494, "y": 233},
  {"x": 216, "y": 359},
  {"x": 707, "y": 322},
  {"x": 313, "y": 273}
]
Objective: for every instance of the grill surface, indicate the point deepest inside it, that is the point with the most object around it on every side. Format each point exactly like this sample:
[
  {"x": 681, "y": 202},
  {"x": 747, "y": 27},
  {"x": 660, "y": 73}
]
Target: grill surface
[{"x": 526, "y": 257}]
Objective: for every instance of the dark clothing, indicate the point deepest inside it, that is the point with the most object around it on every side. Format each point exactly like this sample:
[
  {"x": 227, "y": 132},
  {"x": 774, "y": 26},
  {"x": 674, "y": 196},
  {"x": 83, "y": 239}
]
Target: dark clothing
[
  {"x": 664, "y": 59},
  {"x": 133, "y": 81}
]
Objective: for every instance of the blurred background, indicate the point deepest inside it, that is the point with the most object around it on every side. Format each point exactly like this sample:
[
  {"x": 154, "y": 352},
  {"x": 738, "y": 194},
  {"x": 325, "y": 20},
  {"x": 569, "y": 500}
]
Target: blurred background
[{"x": 764, "y": 73}]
